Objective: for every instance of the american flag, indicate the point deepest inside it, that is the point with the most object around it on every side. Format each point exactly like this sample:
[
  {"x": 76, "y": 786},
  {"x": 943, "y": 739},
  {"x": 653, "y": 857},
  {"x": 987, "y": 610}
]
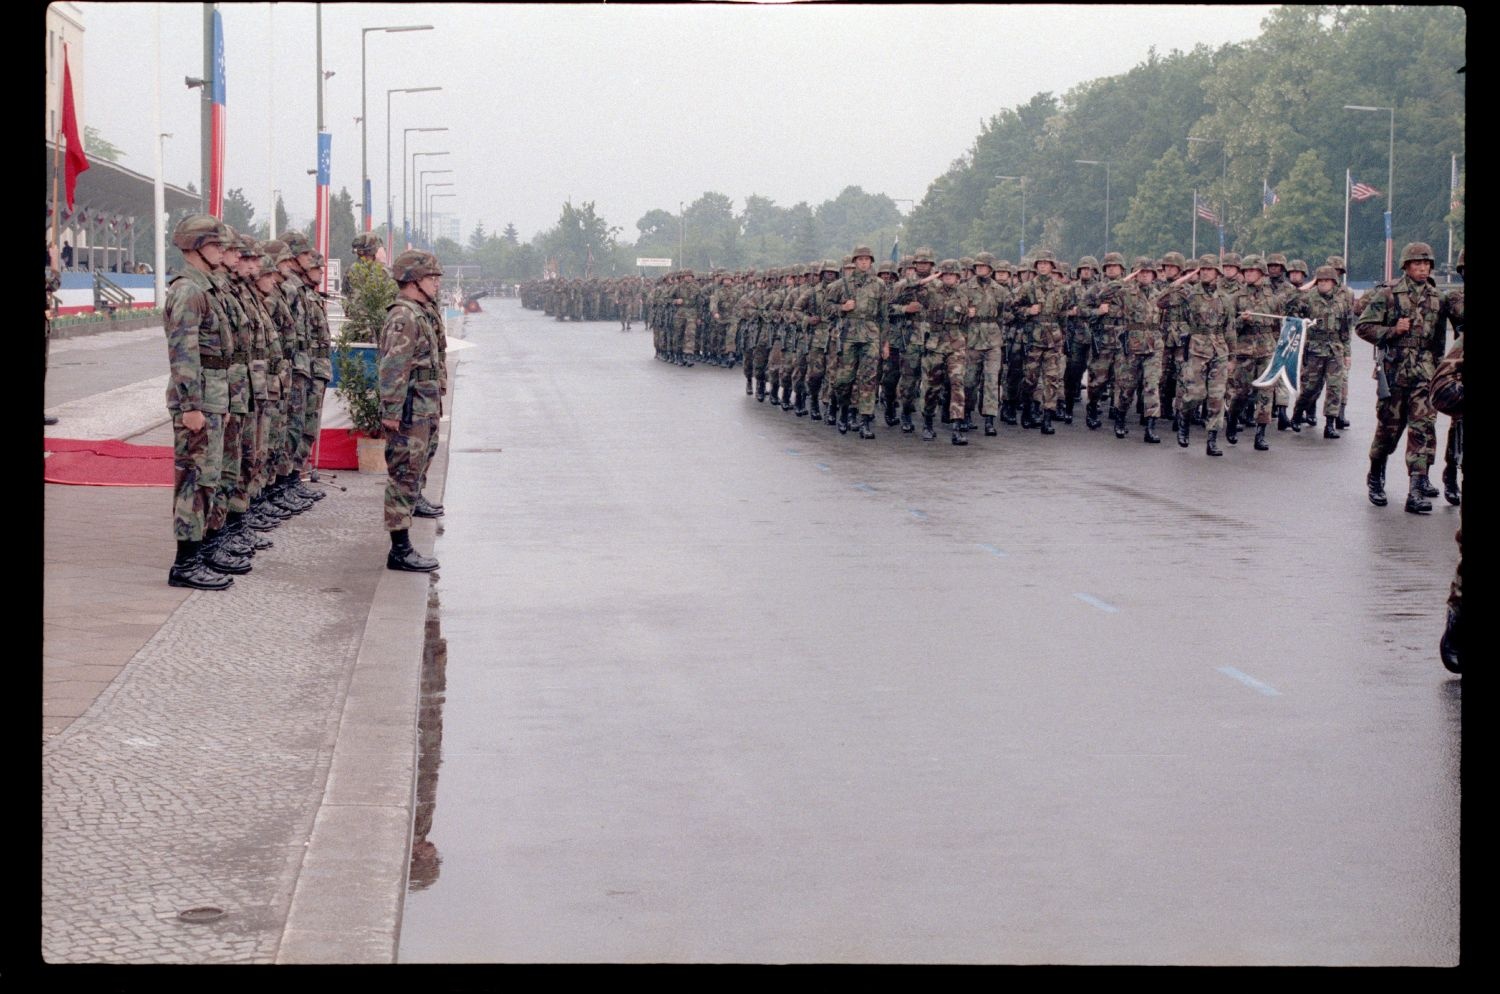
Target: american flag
[
  {"x": 1207, "y": 214},
  {"x": 1269, "y": 197},
  {"x": 1362, "y": 191},
  {"x": 320, "y": 231},
  {"x": 216, "y": 153}
]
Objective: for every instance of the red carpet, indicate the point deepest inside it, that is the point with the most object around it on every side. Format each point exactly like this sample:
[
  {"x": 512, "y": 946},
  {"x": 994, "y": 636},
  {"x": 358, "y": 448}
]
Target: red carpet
[{"x": 111, "y": 463}]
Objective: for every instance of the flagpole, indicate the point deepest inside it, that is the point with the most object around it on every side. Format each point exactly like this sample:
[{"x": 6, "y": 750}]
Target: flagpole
[
  {"x": 57, "y": 168},
  {"x": 1195, "y": 224},
  {"x": 1452, "y": 198},
  {"x": 1348, "y": 187},
  {"x": 158, "y": 191}
]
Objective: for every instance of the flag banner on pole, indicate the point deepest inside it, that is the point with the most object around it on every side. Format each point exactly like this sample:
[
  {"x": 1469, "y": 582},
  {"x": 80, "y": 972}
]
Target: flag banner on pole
[
  {"x": 1207, "y": 214},
  {"x": 1362, "y": 191},
  {"x": 1454, "y": 200},
  {"x": 216, "y": 149},
  {"x": 325, "y": 158},
  {"x": 369, "y": 219},
  {"x": 895, "y": 254},
  {"x": 1286, "y": 361},
  {"x": 75, "y": 160},
  {"x": 1268, "y": 196}
]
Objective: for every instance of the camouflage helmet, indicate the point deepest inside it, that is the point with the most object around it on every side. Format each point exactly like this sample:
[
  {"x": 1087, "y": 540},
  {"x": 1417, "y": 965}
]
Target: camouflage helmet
[
  {"x": 882, "y": 269},
  {"x": 1337, "y": 262},
  {"x": 276, "y": 250},
  {"x": 1459, "y": 265},
  {"x": 1145, "y": 263},
  {"x": 1326, "y": 273},
  {"x": 849, "y": 261},
  {"x": 317, "y": 260},
  {"x": 906, "y": 261},
  {"x": 967, "y": 262},
  {"x": 1298, "y": 266},
  {"x": 860, "y": 250},
  {"x": 1087, "y": 262},
  {"x": 1253, "y": 262},
  {"x": 197, "y": 230},
  {"x": 267, "y": 266},
  {"x": 1416, "y": 252},
  {"x": 686, "y": 274},
  {"x": 1026, "y": 265},
  {"x": 296, "y": 241},
  {"x": 248, "y": 248},
  {"x": 985, "y": 259},
  {"x": 1276, "y": 259},
  {"x": 949, "y": 266},
  {"x": 1005, "y": 266},
  {"x": 1231, "y": 259},
  {"x": 414, "y": 264},
  {"x": 365, "y": 243},
  {"x": 1114, "y": 259},
  {"x": 828, "y": 266},
  {"x": 1044, "y": 255},
  {"x": 1174, "y": 259},
  {"x": 923, "y": 254},
  {"x": 1208, "y": 261},
  {"x": 810, "y": 269}
]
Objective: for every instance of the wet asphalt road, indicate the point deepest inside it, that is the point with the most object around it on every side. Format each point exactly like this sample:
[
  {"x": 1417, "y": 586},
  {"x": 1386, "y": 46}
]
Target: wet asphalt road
[{"x": 723, "y": 685}]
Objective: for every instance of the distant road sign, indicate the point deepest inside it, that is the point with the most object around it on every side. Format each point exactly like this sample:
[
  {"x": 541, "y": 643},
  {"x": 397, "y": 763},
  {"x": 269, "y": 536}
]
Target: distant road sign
[{"x": 664, "y": 263}]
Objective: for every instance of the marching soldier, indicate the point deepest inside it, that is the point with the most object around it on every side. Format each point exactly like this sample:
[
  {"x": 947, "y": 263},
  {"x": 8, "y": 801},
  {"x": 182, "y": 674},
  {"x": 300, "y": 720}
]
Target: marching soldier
[
  {"x": 1045, "y": 301},
  {"x": 1327, "y": 345},
  {"x": 1139, "y": 365},
  {"x": 1256, "y": 331},
  {"x": 1206, "y": 349}
]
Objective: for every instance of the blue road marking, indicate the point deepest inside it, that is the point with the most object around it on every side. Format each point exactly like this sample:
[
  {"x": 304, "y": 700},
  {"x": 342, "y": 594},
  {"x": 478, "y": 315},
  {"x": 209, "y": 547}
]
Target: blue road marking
[
  {"x": 865, "y": 487},
  {"x": 1249, "y": 681},
  {"x": 919, "y": 515},
  {"x": 1096, "y": 602},
  {"x": 793, "y": 452},
  {"x": 990, "y": 549},
  {"x": 821, "y": 465}
]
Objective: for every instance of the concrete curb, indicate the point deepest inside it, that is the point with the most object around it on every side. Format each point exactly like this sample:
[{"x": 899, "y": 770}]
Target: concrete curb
[{"x": 346, "y": 907}]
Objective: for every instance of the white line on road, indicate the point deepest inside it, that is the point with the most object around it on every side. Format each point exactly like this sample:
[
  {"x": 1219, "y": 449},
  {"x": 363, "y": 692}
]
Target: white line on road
[
  {"x": 1096, "y": 602},
  {"x": 1249, "y": 681},
  {"x": 990, "y": 549}
]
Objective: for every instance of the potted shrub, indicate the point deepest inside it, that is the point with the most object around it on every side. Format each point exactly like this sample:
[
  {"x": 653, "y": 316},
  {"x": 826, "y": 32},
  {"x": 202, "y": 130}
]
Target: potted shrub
[{"x": 371, "y": 292}]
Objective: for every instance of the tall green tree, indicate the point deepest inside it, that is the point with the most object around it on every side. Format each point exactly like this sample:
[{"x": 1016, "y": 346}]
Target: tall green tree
[
  {"x": 477, "y": 237},
  {"x": 96, "y": 146},
  {"x": 511, "y": 236},
  {"x": 239, "y": 213},
  {"x": 1160, "y": 215},
  {"x": 1307, "y": 219},
  {"x": 341, "y": 225}
]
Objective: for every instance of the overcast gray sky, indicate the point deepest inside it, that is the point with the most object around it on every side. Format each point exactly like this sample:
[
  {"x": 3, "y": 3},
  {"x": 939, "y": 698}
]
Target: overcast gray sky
[{"x": 630, "y": 106}]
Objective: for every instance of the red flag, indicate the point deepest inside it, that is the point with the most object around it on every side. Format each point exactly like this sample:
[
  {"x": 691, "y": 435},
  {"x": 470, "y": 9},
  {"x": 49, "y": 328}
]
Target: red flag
[{"x": 76, "y": 161}]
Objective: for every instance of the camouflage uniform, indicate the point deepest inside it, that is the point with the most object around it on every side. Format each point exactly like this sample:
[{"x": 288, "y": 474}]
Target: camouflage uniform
[
  {"x": 1043, "y": 374},
  {"x": 990, "y": 302},
  {"x": 1407, "y": 359},
  {"x": 864, "y": 339},
  {"x": 200, "y": 342},
  {"x": 945, "y": 314},
  {"x": 1139, "y": 365},
  {"x": 409, "y": 376},
  {"x": 1080, "y": 335},
  {"x": 231, "y": 461},
  {"x": 1254, "y": 342},
  {"x": 1205, "y": 351},
  {"x": 1446, "y": 394},
  {"x": 1107, "y": 328},
  {"x": 1325, "y": 353}
]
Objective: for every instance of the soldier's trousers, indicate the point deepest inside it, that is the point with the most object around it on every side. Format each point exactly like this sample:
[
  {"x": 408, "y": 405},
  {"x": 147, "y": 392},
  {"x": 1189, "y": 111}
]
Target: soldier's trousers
[
  {"x": 312, "y": 420},
  {"x": 940, "y": 371},
  {"x": 1170, "y": 376},
  {"x": 890, "y": 378},
  {"x": 760, "y": 357},
  {"x": 265, "y": 419},
  {"x": 279, "y": 459},
  {"x": 1102, "y": 376},
  {"x": 800, "y": 365},
  {"x": 432, "y": 447},
  {"x": 295, "y": 412},
  {"x": 911, "y": 379},
  {"x": 688, "y": 332},
  {"x": 1243, "y": 369},
  {"x": 197, "y": 461},
  {"x": 982, "y": 380},
  {"x": 776, "y": 366},
  {"x": 1342, "y": 376},
  {"x": 406, "y": 464},
  {"x": 855, "y": 385},
  {"x": 1042, "y": 378},
  {"x": 1320, "y": 374},
  {"x": 1078, "y": 361},
  {"x": 817, "y": 370},
  {"x": 229, "y": 470},
  {"x": 830, "y": 371},
  {"x": 1205, "y": 378},
  {"x": 243, "y": 483},
  {"x": 1408, "y": 409},
  {"x": 1139, "y": 371},
  {"x": 1014, "y": 366}
]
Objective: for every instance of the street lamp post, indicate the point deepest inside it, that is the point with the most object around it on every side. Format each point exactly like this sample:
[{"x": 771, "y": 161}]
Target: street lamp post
[
  {"x": 1224, "y": 193},
  {"x": 430, "y": 197},
  {"x": 389, "y": 198},
  {"x": 405, "y": 133},
  {"x": 1022, "y": 180},
  {"x": 1390, "y": 182},
  {"x": 423, "y": 185},
  {"x": 416, "y": 201},
  {"x": 1105, "y": 164},
  {"x": 364, "y": 155}
]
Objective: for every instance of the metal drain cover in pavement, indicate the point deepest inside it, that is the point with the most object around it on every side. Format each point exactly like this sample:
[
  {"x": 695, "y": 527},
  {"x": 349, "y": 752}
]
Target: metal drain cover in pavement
[{"x": 201, "y": 914}]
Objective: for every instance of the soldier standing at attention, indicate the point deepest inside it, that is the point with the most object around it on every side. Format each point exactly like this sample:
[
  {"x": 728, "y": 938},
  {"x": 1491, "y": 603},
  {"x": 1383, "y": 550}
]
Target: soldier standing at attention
[
  {"x": 1401, "y": 320},
  {"x": 199, "y": 343},
  {"x": 320, "y": 356},
  {"x": 1447, "y": 396},
  {"x": 410, "y": 398}
]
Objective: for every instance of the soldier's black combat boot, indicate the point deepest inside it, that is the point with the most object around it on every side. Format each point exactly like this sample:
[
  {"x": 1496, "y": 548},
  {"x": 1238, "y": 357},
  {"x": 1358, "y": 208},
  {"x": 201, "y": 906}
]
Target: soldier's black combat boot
[
  {"x": 1120, "y": 430},
  {"x": 891, "y": 420},
  {"x": 927, "y": 433},
  {"x": 1213, "y": 444},
  {"x": 1151, "y": 436},
  {"x": 1375, "y": 481},
  {"x": 1261, "y": 445},
  {"x": 989, "y": 425},
  {"x": 1330, "y": 430},
  {"x": 1061, "y": 414},
  {"x": 749, "y": 388},
  {"x": 1425, "y": 487},
  {"x": 236, "y": 539},
  {"x": 685, "y": 359},
  {"x": 1282, "y": 421},
  {"x": 1091, "y": 415},
  {"x": 959, "y": 438},
  {"x": 865, "y": 431},
  {"x": 1232, "y": 426},
  {"x": 1028, "y": 415},
  {"x": 216, "y": 557},
  {"x": 188, "y": 570},
  {"x": 1067, "y": 412},
  {"x": 403, "y": 557},
  {"x": 1184, "y": 428},
  {"x": 303, "y": 490},
  {"x": 801, "y": 406},
  {"x": 1343, "y": 421},
  {"x": 423, "y": 508},
  {"x": 270, "y": 509},
  {"x": 1416, "y": 501},
  {"x": 786, "y": 399},
  {"x": 760, "y": 389},
  {"x": 844, "y": 419},
  {"x": 1450, "y": 484},
  {"x": 1450, "y": 647},
  {"x": 1008, "y": 412},
  {"x": 906, "y": 426},
  {"x": 817, "y": 412},
  {"x": 1310, "y": 414},
  {"x": 1047, "y": 428}
]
